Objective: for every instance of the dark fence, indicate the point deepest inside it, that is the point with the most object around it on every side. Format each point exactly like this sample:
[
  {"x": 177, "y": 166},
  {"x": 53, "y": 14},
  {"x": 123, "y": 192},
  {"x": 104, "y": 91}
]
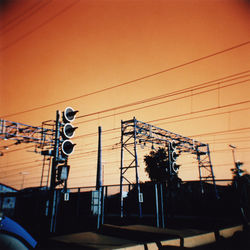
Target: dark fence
[{"x": 86, "y": 209}]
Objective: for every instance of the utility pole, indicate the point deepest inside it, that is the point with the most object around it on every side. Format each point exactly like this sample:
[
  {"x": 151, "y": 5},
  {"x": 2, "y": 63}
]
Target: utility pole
[{"x": 99, "y": 160}]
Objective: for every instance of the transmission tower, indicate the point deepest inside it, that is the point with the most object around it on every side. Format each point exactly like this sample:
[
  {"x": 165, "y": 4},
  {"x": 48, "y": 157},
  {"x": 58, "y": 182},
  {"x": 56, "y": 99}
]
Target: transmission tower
[{"x": 134, "y": 132}]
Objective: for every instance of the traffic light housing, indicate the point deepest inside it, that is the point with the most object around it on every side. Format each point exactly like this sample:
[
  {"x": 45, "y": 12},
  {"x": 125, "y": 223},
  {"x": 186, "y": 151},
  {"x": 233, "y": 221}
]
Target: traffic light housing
[
  {"x": 69, "y": 115},
  {"x": 173, "y": 155},
  {"x": 63, "y": 172},
  {"x": 68, "y": 131},
  {"x": 67, "y": 147}
]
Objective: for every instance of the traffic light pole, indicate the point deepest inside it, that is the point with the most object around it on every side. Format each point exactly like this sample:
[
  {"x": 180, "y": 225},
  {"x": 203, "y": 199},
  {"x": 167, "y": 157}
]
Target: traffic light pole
[
  {"x": 56, "y": 153},
  {"x": 59, "y": 173},
  {"x": 99, "y": 176}
]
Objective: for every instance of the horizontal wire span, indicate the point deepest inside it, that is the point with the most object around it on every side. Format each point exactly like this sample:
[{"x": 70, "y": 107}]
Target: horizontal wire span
[
  {"x": 178, "y": 92},
  {"x": 132, "y": 81}
]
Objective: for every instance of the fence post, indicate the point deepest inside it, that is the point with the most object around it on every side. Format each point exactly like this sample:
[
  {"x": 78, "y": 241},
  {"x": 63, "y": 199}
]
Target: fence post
[
  {"x": 162, "y": 207},
  {"x": 99, "y": 207},
  {"x": 102, "y": 204},
  {"x": 156, "y": 205}
]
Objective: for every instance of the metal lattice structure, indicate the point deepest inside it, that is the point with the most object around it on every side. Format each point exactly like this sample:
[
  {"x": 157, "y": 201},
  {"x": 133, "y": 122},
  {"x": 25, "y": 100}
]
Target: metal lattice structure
[
  {"x": 43, "y": 137},
  {"x": 25, "y": 133},
  {"x": 47, "y": 159},
  {"x": 55, "y": 146},
  {"x": 135, "y": 132}
]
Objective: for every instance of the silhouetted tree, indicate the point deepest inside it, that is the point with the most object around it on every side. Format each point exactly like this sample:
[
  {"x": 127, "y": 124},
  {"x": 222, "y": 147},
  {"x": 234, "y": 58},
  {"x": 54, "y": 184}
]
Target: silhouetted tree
[
  {"x": 237, "y": 173},
  {"x": 158, "y": 167},
  {"x": 241, "y": 183}
]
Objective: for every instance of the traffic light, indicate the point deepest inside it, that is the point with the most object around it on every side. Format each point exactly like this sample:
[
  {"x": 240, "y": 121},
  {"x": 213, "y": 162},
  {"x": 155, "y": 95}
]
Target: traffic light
[
  {"x": 68, "y": 131},
  {"x": 62, "y": 172},
  {"x": 69, "y": 115},
  {"x": 174, "y": 167},
  {"x": 238, "y": 170}
]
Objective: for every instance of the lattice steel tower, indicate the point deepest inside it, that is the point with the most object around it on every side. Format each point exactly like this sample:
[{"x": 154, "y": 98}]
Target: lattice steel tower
[{"x": 135, "y": 132}]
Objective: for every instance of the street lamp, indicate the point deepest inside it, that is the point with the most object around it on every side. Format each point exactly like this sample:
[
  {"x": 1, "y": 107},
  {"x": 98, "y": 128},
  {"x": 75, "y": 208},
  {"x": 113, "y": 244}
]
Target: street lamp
[{"x": 233, "y": 148}]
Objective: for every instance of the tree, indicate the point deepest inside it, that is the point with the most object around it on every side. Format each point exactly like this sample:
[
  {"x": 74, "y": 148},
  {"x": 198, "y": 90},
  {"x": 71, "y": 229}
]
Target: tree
[
  {"x": 236, "y": 171},
  {"x": 158, "y": 167},
  {"x": 241, "y": 183}
]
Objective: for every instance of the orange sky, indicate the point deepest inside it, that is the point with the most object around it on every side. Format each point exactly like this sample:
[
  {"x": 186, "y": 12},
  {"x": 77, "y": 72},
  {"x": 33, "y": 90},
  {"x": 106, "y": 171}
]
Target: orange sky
[{"x": 55, "y": 50}]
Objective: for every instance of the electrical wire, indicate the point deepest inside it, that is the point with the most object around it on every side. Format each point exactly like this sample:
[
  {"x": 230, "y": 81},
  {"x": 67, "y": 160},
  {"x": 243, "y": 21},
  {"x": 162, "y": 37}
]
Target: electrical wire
[
  {"x": 4, "y": 47},
  {"x": 24, "y": 168},
  {"x": 119, "y": 128},
  {"x": 171, "y": 117},
  {"x": 167, "y": 101},
  {"x": 178, "y": 92},
  {"x": 203, "y": 116},
  {"x": 22, "y": 17},
  {"x": 160, "y": 119},
  {"x": 110, "y": 130},
  {"x": 226, "y": 150},
  {"x": 132, "y": 81},
  {"x": 19, "y": 163},
  {"x": 221, "y": 132}
]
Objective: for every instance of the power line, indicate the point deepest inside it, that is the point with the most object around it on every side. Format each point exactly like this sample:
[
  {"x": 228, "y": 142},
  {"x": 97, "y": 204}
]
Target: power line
[
  {"x": 186, "y": 114},
  {"x": 27, "y": 160},
  {"x": 182, "y": 91},
  {"x": 213, "y": 133},
  {"x": 19, "y": 163},
  {"x": 221, "y": 132},
  {"x": 210, "y": 109},
  {"x": 157, "y": 120},
  {"x": 230, "y": 140},
  {"x": 26, "y": 14},
  {"x": 175, "y": 116},
  {"x": 38, "y": 27},
  {"x": 117, "y": 129},
  {"x": 18, "y": 149},
  {"x": 213, "y": 151},
  {"x": 23, "y": 168},
  {"x": 135, "y": 80},
  {"x": 152, "y": 121},
  {"x": 163, "y": 102},
  {"x": 17, "y": 17},
  {"x": 226, "y": 150},
  {"x": 203, "y": 110},
  {"x": 81, "y": 155}
]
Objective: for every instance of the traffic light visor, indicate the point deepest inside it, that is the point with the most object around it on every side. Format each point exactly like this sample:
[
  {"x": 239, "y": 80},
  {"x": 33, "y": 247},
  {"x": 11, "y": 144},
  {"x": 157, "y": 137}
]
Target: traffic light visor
[
  {"x": 175, "y": 167},
  {"x": 69, "y": 114},
  {"x": 68, "y": 130},
  {"x": 68, "y": 147}
]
